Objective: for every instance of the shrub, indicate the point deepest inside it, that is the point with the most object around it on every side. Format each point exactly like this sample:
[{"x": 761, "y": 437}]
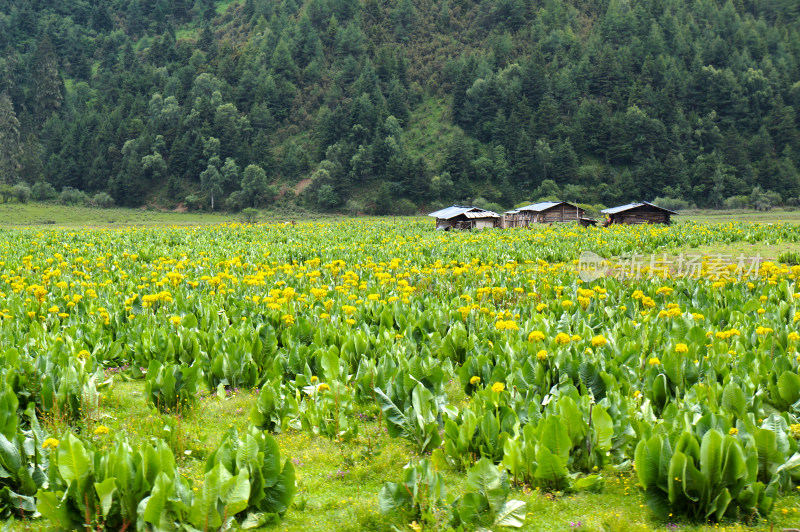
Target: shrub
[
  {"x": 327, "y": 198},
  {"x": 73, "y": 196},
  {"x": 737, "y": 202},
  {"x": 22, "y": 192},
  {"x": 249, "y": 215},
  {"x": 673, "y": 204},
  {"x": 404, "y": 207},
  {"x": 192, "y": 202},
  {"x": 103, "y": 200},
  {"x": 5, "y": 192},
  {"x": 235, "y": 201},
  {"x": 353, "y": 207},
  {"x": 43, "y": 191}
]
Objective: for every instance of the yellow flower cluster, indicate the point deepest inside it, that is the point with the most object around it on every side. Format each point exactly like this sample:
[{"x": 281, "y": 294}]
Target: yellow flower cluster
[
  {"x": 536, "y": 336},
  {"x": 506, "y": 325},
  {"x": 599, "y": 341}
]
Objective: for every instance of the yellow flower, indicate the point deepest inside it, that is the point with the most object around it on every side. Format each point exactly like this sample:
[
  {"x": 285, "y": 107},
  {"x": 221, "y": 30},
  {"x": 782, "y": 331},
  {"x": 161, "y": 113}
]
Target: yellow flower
[
  {"x": 637, "y": 394},
  {"x": 175, "y": 320},
  {"x": 288, "y": 319},
  {"x": 795, "y": 428},
  {"x": 575, "y": 338},
  {"x": 498, "y": 387},
  {"x": 475, "y": 380},
  {"x": 101, "y": 430},
  {"x": 562, "y": 338},
  {"x": 314, "y": 379},
  {"x": 733, "y": 431},
  {"x": 763, "y": 330},
  {"x": 654, "y": 361},
  {"x": 83, "y": 354},
  {"x": 323, "y": 387},
  {"x": 681, "y": 348},
  {"x": 793, "y": 336},
  {"x": 541, "y": 355},
  {"x": 50, "y": 443},
  {"x": 53, "y": 309},
  {"x": 599, "y": 341},
  {"x": 506, "y": 325},
  {"x": 541, "y": 306},
  {"x": 536, "y": 336},
  {"x": 566, "y": 303}
]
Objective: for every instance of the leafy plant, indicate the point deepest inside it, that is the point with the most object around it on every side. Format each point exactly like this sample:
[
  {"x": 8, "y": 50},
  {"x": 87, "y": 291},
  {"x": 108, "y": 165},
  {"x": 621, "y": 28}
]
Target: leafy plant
[
  {"x": 244, "y": 478},
  {"x": 275, "y": 407},
  {"x": 421, "y": 493},
  {"x": 486, "y": 501},
  {"x": 702, "y": 478},
  {"x": 171, "y": 386},
  {"x": 418, "y": 422}
]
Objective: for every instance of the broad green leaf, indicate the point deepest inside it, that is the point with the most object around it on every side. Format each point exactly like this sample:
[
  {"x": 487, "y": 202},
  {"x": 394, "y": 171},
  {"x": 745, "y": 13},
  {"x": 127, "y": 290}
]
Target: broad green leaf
[
  {"x": 512, "y": 514},
  {"x": 73, "y": 461},
  {"x": 105, "y": 494}
]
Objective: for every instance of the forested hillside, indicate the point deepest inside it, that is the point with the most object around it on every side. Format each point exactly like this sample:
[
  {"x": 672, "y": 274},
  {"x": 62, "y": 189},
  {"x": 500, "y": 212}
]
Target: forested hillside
[{"x": 392, "y": 106}]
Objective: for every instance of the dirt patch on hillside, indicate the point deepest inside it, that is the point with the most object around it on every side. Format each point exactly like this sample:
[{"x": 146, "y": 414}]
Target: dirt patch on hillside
[{"x": 301, "y": 186}]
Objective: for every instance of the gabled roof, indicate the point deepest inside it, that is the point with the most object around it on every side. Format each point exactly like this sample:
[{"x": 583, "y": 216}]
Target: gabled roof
[
  {"x": 469, "y": 212},
  {"x": 622, "y": 208},
  {"x": 541, "y": 206}
]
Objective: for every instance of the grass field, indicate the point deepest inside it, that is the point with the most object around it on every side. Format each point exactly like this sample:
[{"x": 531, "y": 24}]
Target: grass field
[
  {"x": 339, "y": 481},
  {"x": 46, "y": 214}
]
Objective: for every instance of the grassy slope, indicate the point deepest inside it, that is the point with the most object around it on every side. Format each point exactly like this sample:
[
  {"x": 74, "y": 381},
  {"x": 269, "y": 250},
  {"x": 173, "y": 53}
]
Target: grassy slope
[{"x": 429, "y": 130}]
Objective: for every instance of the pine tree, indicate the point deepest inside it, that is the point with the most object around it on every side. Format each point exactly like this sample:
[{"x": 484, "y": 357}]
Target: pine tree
[
  {"x": 10, "y": 146},
  {"x": 47, "y": 87}
]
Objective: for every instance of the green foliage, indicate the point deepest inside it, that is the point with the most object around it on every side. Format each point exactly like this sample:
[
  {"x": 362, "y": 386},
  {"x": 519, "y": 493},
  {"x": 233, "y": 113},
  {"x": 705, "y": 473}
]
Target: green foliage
[
  {"x": 790, "y": 257},
  {"x": 574, "y": 99},
  {"x": 703, "y": 478},
  {"x": 43, "y": 191},
  {"x": 103, "y": 200},
  {"x": 249, "y": 215},
  {"x": 244, "y": 479},
  {"x": 421, "y": 493},
  {"x": 486, "y": 502},
  {"x": 21, "y": 192},
  {"x": 275, "y": 407},
  {"x": 171, "y": 387},
  {"x": 71, "y": 196}
]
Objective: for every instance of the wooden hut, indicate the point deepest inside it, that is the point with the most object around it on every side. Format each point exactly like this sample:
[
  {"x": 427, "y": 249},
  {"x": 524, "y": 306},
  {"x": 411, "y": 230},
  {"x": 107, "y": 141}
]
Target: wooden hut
[
  {"x": 461, "y": 217},
  {"x": 544, "y": 212},
  {"x": 638, "y": 213}
]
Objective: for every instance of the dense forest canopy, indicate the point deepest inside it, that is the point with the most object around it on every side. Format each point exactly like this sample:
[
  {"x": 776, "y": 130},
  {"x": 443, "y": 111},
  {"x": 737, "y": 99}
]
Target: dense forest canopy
[{"x": 392, "y": 106}]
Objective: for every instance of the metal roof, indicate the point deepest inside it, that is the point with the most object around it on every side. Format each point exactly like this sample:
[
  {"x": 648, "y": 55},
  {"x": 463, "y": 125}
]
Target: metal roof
[
  {"x": 539, "y": 207},
  {"x": 622, "y": 208},
  {"x": 469, "y": 212}
]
